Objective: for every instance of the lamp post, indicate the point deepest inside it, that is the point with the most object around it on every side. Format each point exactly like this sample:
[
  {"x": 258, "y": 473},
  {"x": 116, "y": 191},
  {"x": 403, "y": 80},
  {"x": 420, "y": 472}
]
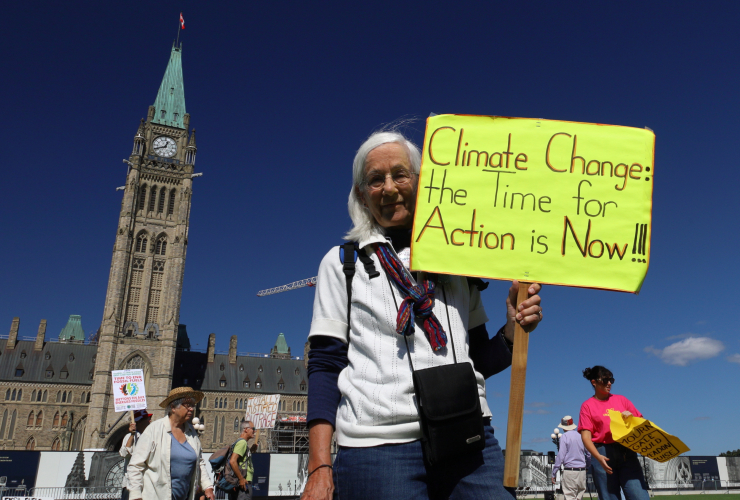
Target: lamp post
[
  {"x": 555, "y": 436},
  {"x": 198, "y": 426}
]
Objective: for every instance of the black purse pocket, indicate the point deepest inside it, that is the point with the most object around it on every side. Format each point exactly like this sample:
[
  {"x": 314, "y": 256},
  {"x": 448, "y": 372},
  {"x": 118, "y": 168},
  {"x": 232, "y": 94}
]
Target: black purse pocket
[{"x": 449, "y": 411}]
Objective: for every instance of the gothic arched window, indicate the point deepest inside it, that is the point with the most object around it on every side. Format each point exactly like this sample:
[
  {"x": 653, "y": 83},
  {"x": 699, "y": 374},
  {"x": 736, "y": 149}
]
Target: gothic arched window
[
  {"x": 162, "y": 114},
  {"x": 55, "y": 423},
  {"x": 64, "y": 397},
  {"x": 33, "y": 396},
  {"x": 56, "y": 445},
  {"x": 43, "y": 400},
  {"x": 39, "y": 419},
  {"x": 152, "y": 198},
  {"x": 20, "y": 395},
  {"x": 31, "y": 443},
  {"x": 142, "y": 197},
  {"x": 12, "y": 398},
  {"x": 160, "y": 205},
  {"x": 171, "y": 204},
  {"x": 141, "y": 242},
  {"x": 64, "y": 420},
  {"x": 2, "y": 425},
  {"x": 7, "y": 396},
  {"x": 31, "y": 420},
  {"x": 236, "y": 425},
  {"x": 38, "y": 397},
  {"x": 161, "y": 248},
  {"x": 11, "y": 430}
]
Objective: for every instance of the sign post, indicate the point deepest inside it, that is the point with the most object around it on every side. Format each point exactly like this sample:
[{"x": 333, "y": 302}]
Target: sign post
[{"x": 537, "y": 201}]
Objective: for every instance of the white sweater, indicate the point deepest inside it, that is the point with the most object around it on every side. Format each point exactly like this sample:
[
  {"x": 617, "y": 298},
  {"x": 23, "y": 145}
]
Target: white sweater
[{"x": 378, "y": 404}]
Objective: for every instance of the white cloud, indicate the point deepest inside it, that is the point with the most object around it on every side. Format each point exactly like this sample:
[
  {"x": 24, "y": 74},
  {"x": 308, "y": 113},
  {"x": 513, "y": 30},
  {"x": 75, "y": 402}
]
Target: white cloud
[
  {"x": 686, "y": 351},
  {"x": 734, "y": 358}
]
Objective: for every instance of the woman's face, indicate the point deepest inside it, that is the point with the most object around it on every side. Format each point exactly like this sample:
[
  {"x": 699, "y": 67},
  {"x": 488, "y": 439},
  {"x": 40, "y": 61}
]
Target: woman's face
[
  {"x": 184, "y": 412},
  {"x": 603, "y": 386},
  {"x": 391, "y": 204}
]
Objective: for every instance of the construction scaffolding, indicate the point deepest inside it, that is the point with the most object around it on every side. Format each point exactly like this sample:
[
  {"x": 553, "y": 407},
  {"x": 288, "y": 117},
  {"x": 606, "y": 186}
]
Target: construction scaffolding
[{"x": 288, "y": 437}]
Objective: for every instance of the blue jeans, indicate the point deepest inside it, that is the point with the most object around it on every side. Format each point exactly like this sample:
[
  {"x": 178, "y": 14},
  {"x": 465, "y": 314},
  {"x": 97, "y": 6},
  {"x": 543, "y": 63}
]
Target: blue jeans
[
  {"x": 398, "y": 471},
  {"x": 626, "y": 474}
]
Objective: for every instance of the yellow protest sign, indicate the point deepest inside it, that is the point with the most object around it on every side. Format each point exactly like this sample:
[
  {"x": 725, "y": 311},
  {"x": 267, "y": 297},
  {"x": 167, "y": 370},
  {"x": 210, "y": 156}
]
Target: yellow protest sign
[
  {"x": 645, "y": 438},
  {"x": 535, "y": 200}
]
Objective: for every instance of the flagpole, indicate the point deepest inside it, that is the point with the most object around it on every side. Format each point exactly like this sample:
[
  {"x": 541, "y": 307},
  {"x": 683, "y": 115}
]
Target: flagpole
[{"x": 179, "y": 28}]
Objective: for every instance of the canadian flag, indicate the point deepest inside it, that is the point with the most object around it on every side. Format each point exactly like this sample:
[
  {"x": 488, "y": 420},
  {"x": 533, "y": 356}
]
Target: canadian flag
[{"x": 182, "y": 21}]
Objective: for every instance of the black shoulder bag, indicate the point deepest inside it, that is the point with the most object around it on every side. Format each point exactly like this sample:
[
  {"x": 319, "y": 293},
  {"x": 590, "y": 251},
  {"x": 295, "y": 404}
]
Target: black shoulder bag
[
  {"x": 447, "y": 396},
  {"x": 449, "y": 407}
]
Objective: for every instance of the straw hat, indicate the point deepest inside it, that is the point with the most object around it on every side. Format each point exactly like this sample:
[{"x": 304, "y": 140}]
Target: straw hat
[{"x": 182, "y": 392}]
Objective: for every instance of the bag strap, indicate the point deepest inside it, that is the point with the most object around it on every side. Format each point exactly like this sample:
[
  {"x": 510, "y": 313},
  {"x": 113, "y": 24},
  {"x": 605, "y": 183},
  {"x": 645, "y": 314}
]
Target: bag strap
[{"x": 348, "y": 253}]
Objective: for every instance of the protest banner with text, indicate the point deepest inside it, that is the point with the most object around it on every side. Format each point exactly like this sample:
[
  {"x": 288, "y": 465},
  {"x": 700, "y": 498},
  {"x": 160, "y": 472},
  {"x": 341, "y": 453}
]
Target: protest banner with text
[
  {"x": 535, "y": 200},
  {"x": 262, "y": 411},
  {"x": 644, "y": 437},
  {"x": 128, "y": 390}
]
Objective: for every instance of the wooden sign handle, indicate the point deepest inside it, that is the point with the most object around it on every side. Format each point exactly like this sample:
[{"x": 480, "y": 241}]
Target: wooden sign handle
[
  {"x": 131, "y": 416},
  {"x": 516, "y": 398}
]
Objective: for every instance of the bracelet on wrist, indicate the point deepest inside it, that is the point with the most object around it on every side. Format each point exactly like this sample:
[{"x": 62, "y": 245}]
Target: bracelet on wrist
[{"x": 319, "y": 467}]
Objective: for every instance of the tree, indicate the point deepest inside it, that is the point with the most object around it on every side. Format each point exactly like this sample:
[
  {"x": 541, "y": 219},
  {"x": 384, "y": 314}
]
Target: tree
[{"x": 728, "y": 453}]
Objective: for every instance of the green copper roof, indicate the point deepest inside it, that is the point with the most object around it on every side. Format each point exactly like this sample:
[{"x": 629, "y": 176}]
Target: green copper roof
[
  {"x": 73, "y": 328},
  {"x": 171, "y": 96},
  {"x": 281, "y": 346}
]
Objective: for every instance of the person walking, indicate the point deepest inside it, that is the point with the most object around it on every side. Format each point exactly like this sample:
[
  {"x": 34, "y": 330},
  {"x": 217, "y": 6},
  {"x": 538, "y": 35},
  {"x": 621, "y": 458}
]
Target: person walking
[
  {"x": 142, "y": 419},
  {"x": 574, "y": 459},
  {"x": 615, "y": 468},
  {"x": 241, "y": 464},
  {"x": 168, "y": 462}
]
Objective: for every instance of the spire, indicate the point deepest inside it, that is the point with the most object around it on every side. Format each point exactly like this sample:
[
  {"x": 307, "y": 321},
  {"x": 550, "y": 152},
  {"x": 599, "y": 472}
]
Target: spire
[
  {"x": 169, "y": 108},
  {"x": 73, "y": 329},
  {"x": 191, "y": 141}
]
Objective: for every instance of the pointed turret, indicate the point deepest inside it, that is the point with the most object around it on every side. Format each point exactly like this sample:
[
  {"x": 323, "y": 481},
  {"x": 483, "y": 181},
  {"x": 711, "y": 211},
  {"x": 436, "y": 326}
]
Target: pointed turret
[
  {"x": 280, "y": 349},
  {"x": 169, "y": 108},
  {"x": 191, "y": 150},
  {"x": 73, "y": 329}
]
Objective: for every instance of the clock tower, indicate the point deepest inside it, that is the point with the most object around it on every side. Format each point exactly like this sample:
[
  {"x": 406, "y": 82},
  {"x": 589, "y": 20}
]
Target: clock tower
[{"x": 142, "y": 304}]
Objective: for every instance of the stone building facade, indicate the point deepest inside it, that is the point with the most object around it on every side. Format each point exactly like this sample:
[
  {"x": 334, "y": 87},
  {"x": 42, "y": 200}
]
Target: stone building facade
[{"x": 42, "y": 381}]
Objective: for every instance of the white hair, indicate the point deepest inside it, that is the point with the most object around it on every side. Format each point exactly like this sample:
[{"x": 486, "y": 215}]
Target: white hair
[{"x": 364, "y": 224}]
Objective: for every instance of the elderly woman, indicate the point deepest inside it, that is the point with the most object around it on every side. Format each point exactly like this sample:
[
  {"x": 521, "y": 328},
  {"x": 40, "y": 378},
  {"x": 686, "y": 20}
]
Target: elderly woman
[
  {"x": 360, "y": 376},
  {"x": 167, "y": 462}
]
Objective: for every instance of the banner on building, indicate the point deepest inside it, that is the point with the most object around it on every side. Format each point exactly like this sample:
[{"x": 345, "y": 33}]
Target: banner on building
[
  {"x": 548, "y": 201},
  {"x": 128, "y": 390},
  {"x": 262, "y": 411},
  {"x": 644, "y": 437}
]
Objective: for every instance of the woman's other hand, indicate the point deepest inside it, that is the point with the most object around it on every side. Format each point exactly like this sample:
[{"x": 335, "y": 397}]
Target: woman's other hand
[
  {"x": 626, "y": 414},
  {"x": 602, "y": 460},
  {"x": 209, "y": 494},
  {"x": 528, "y": 314},
  {"x": 320, "y": 486}
]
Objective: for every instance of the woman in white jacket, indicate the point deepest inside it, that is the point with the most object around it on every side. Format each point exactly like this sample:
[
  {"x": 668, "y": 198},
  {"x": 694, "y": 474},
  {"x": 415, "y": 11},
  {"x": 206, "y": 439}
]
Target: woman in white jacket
[{"x": 167, "y": 462}]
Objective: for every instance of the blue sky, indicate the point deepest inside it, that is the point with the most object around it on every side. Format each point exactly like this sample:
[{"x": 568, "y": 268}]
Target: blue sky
[{"x": 282, "y": 94}]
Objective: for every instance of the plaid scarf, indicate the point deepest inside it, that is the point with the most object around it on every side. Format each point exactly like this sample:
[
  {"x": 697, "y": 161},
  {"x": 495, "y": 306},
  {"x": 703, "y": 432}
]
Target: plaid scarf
[{"x": 419, "y": 300}]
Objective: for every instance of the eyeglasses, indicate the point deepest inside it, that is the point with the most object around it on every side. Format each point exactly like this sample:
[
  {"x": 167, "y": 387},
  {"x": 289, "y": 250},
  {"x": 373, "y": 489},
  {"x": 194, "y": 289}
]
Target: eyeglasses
[
  {"x": 400, "y": 177},
  {"x": 607, "y": 380},
  {"x": 188, "y": 405}
]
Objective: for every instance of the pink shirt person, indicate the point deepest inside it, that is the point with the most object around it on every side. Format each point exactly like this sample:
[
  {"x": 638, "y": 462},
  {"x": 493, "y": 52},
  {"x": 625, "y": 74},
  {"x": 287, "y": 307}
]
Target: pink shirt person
[{"x": 594, "y": 416}]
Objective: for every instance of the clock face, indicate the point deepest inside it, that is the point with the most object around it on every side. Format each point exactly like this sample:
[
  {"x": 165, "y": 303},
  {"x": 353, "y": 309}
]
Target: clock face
[{"x": 164, "y": 146}]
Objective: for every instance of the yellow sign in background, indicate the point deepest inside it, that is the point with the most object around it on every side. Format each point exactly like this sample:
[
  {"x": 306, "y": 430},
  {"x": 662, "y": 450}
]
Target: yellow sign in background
[
  {"x": 535, "y": 200},
  {"x": 645, "y": 438}
]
